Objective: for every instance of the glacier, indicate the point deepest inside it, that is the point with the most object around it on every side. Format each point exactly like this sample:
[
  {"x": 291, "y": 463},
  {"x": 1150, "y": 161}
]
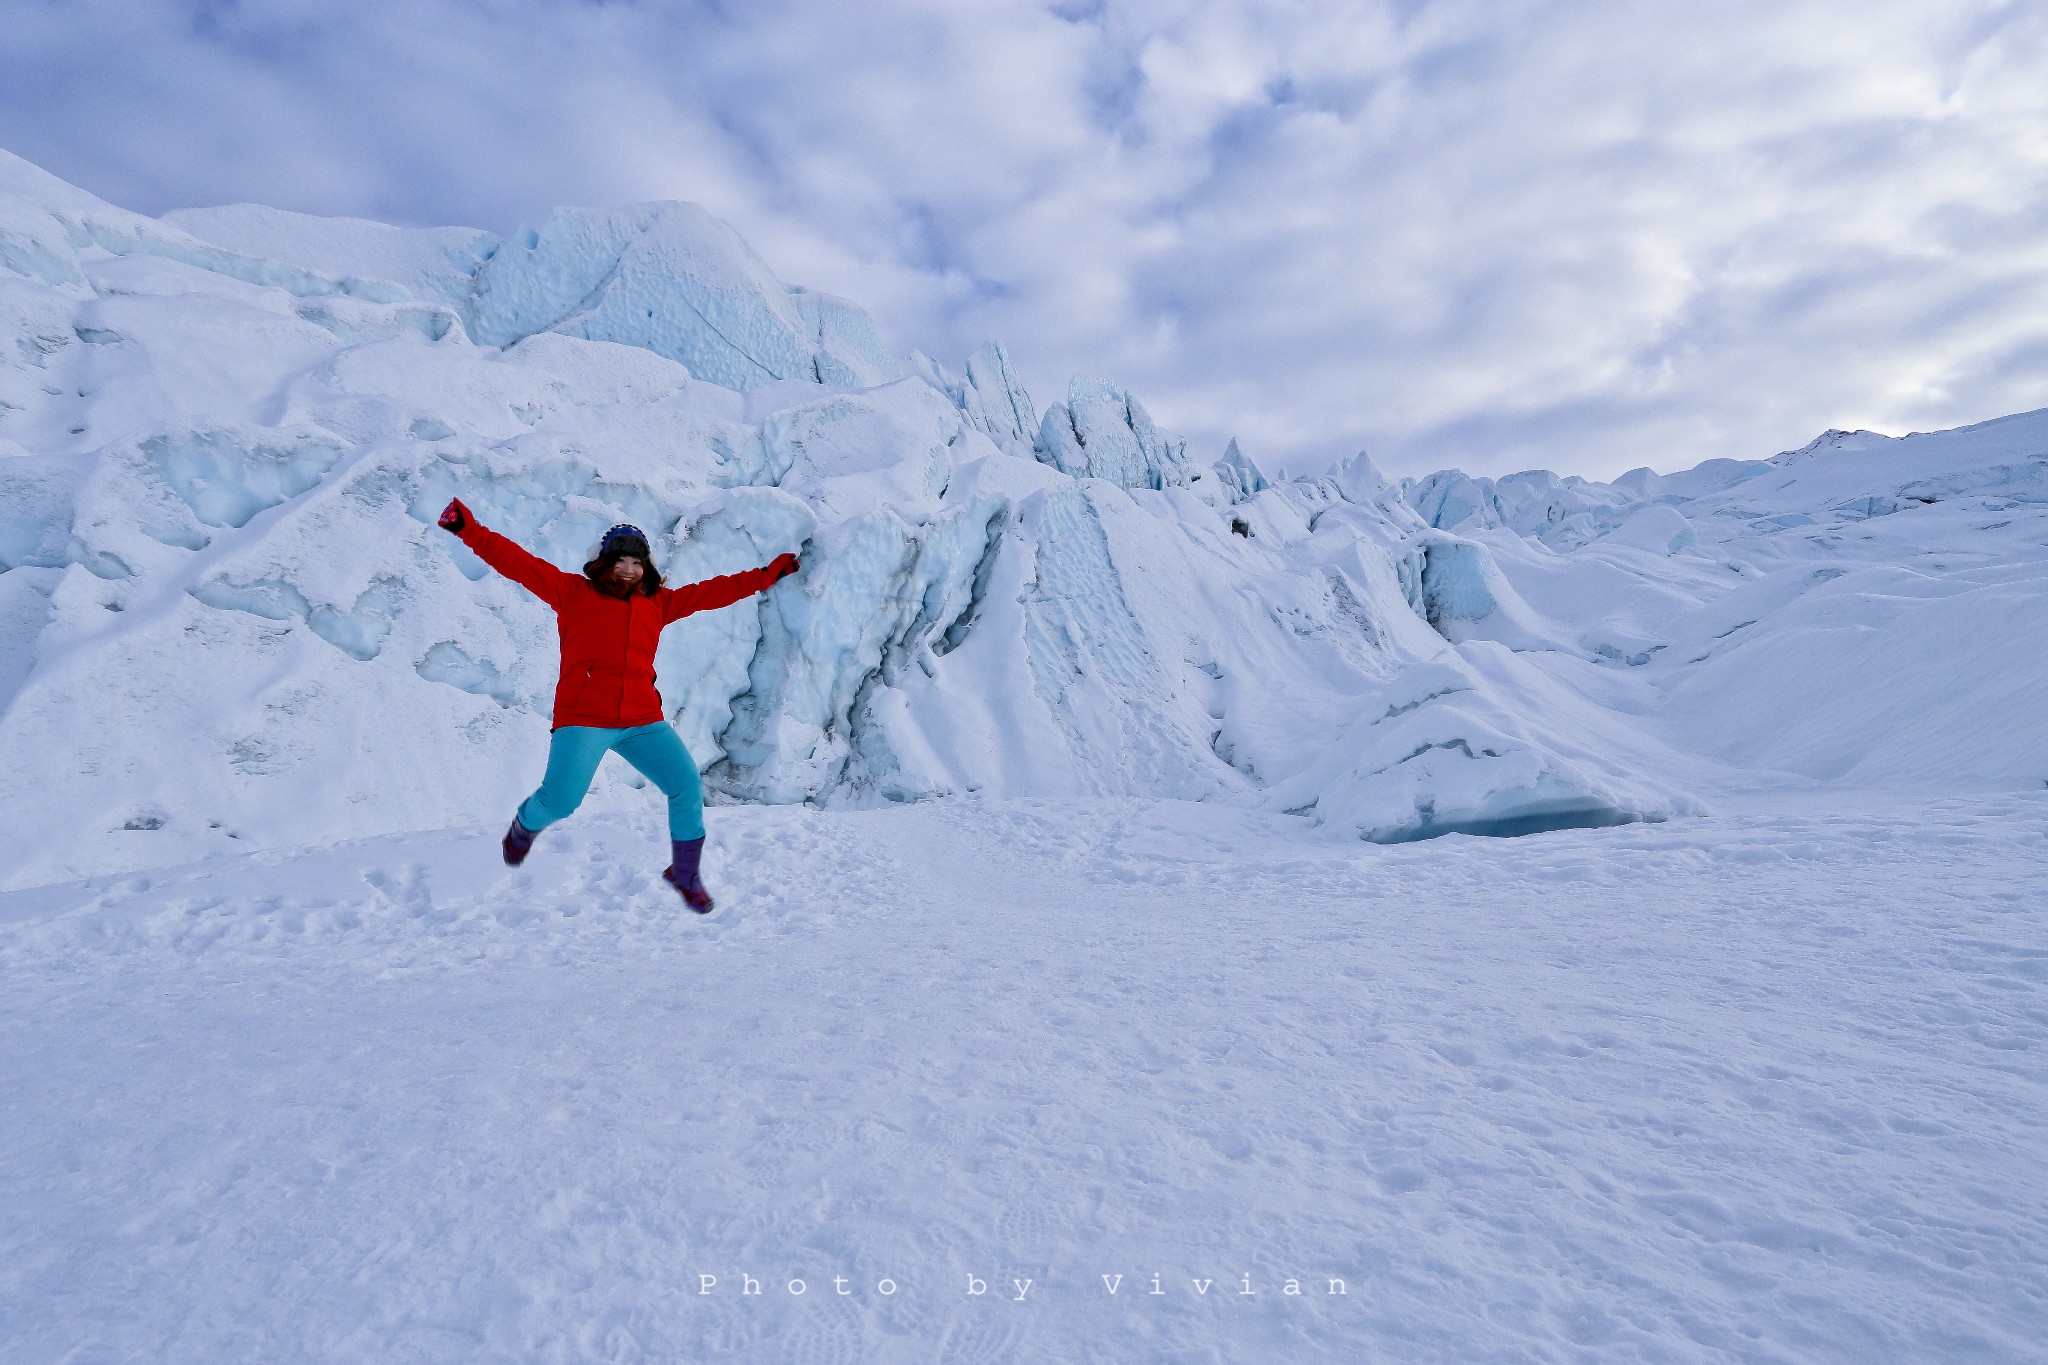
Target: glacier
[
  {"x": 229, "y": 623},
  {"x": 1583, "y": 919}
]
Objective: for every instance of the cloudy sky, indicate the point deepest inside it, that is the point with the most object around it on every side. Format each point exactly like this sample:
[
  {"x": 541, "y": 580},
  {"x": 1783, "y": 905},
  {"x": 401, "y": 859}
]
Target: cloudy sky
[{"x": 1496, "y": 234}]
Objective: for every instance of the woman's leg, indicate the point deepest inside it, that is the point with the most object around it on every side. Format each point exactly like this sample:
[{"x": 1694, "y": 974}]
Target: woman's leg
[
  {"x": 573, "y": 755},
  {"x": 658, "y": 751}
]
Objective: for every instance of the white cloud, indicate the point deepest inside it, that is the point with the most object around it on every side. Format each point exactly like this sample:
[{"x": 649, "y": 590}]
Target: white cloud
[{"x": 1501, "y": 234}]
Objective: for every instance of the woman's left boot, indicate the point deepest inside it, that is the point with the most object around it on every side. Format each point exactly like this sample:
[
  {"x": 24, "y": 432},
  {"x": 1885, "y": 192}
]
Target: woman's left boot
[
  {"x": 518, "y": 843},
  {"x": 681, "y": 873}
]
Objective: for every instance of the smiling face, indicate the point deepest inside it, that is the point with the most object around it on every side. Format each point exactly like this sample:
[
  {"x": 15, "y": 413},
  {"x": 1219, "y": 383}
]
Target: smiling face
[{"x": 626, "y": 572}]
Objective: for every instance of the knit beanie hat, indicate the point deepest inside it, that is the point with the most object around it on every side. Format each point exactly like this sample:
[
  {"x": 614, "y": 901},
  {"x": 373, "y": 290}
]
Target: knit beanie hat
[{"x": 624, "y": 540}]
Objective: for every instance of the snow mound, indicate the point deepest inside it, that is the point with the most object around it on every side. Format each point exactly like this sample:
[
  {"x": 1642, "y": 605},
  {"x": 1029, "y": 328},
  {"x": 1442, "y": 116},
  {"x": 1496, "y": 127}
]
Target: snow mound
[
  {"x": 1533, "y": 503},
  {"x": 671, "y": 279},
  {"x": 1458, "y": 587},
  {"x": 1101, "y": 432},
  {"x": 1240, "y": 475},
  {"x": 45, "y": 224},
  {"x": 602, "y": 373},
  {"x": 990, "y": 395},
  {"x": 431, "y": 264},
  {"x": 1660, "y": 530},
  {"x": 1563, "y": 513},
  {"x": 1446, "y": 753}
]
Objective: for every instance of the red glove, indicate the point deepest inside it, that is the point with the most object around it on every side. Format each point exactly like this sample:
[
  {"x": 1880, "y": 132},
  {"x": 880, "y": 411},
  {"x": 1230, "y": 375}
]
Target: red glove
[
  {"x": 455, "y": 517},
  {"x": 782, "y": 566}
]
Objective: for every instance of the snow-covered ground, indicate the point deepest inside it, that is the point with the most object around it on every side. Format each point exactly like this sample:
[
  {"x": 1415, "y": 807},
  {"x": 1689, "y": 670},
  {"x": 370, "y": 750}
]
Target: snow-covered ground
[
  {"x": 1767, "y": 1085},
  {"x": 1097, "y": 830}
]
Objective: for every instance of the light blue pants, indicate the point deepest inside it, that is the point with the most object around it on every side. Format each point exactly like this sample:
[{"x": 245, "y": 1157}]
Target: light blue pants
[{"x": 656, "y": 750}]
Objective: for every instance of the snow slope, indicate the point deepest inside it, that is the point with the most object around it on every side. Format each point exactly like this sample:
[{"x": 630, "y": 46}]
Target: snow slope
[{"x": 1866, "y": 610}]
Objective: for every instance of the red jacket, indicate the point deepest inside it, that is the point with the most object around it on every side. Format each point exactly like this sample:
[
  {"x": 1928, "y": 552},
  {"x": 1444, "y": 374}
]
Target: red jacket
[{"x": 607, "y": 642}]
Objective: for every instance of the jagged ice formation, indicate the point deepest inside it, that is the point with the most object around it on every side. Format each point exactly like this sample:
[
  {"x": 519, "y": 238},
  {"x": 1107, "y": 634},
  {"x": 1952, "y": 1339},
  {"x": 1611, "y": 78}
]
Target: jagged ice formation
[{"x": 227, "y": 620}]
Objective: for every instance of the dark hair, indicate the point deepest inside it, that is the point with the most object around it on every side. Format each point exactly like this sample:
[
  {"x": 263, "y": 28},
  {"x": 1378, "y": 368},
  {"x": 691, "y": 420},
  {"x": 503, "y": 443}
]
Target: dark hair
[{"x": 599, "y": 569}]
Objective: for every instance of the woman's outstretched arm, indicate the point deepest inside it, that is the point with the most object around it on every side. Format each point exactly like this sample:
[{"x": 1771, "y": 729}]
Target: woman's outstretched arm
[
  {"x": 529, "y": 571},
  {"x": 725, "y": 590}
]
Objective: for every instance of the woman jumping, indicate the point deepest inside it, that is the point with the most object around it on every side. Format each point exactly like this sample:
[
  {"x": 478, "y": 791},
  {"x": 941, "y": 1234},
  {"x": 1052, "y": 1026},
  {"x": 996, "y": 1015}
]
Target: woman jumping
[{"x": 610, "y": 618}]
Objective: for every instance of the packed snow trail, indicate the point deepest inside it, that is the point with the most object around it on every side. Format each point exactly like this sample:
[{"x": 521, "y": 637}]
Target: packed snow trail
[{"x": 1767, "y": 1085}]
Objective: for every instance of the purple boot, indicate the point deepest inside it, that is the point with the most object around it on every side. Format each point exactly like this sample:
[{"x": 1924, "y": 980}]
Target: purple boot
[
  {"x": 518, "y": 843},
  {"x": 682, "y": 874}
]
